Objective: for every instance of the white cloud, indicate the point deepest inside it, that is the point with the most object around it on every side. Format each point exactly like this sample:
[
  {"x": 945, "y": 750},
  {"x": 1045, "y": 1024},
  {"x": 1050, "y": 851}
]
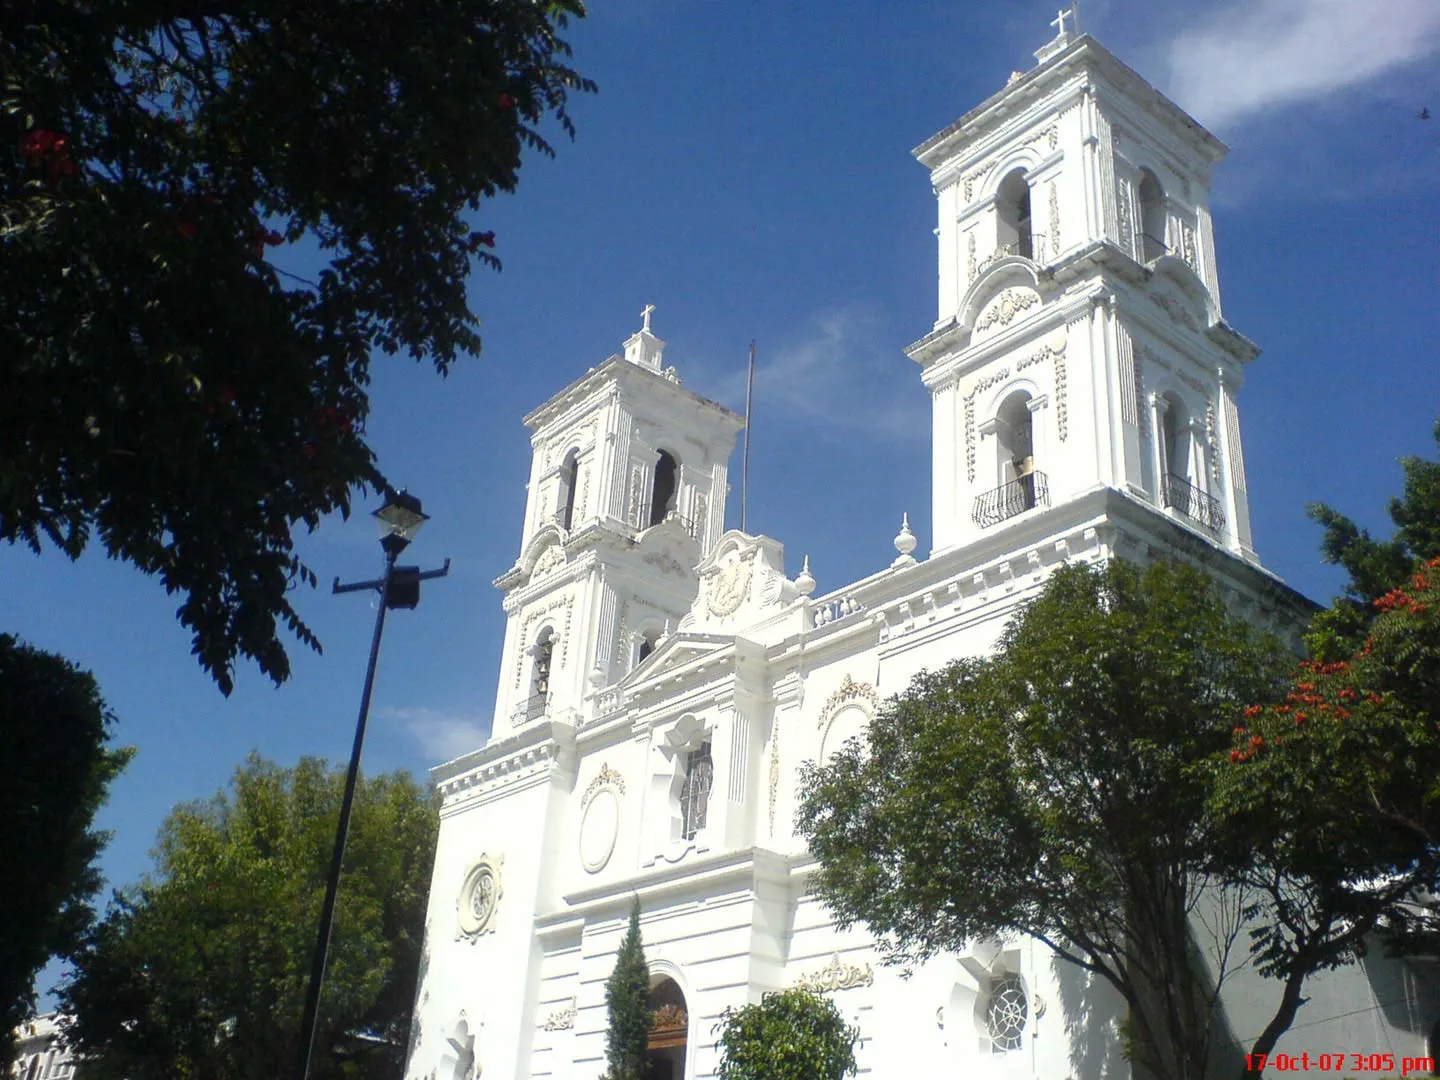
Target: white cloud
[
  {"x": 833, "y": 378},
  {"x": 441, "y": 736},
  {"x": 1257, "y": 54}
]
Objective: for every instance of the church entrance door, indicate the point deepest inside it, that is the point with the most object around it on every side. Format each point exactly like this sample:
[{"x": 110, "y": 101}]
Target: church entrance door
[{"x": 669, "y": 1031}]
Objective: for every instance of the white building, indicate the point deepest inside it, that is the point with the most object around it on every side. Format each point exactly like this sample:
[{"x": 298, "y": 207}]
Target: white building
[
  {"x": 662, "y": 679},
  {"x": 41, "y": 1052}
]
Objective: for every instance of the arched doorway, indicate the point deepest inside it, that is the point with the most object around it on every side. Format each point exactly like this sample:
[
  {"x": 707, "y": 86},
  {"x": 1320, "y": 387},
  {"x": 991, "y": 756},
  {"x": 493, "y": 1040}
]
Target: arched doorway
[{"x": 669, "y": 1030}]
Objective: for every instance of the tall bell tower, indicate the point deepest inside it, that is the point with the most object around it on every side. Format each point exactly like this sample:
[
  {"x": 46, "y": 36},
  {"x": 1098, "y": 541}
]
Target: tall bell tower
[
  {"x": 626, "y": 496},
  {"x": 1080, "y": 341}
]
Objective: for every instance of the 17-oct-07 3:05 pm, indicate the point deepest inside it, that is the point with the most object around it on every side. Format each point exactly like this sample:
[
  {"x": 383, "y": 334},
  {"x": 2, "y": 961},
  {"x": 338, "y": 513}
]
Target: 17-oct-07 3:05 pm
[{"x": 1335, "y": 1062}]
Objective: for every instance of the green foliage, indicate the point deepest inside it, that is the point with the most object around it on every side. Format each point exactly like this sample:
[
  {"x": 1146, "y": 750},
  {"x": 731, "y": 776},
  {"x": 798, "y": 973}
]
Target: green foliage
[
  {"x": 169, "y": 387},
  {"x": 201, "y": 969},
  {"x": 627, "y": 997},
  {"x": 1376, "y": 566},
  {"x": 57, "y": 768},
  {"x": 790, "y": 1035},
  {"x": 1057, "y": 790},
  {"x": 1337, "y": 783}
]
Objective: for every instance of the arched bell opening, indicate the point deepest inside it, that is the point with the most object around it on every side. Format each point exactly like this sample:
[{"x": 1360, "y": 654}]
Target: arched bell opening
[
  {"x": 669, "y": 1030},
  {"x": 1152, "y": 216},
  {"x": 1016, "y": 440},
  {"x": 569, "y": 475},
  {"x": 663, "y": 494},
  {"x": 1012, "y": 207}
]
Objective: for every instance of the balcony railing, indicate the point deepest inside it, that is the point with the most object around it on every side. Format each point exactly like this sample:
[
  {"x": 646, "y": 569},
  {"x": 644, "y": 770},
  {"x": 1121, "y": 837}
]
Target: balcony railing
[
  {"x": 1010, "y": 499},
  {"x": 532, "y": 708},
  {"x": 1152, "y": 247},
  {"x": 1179, "y": 494}
]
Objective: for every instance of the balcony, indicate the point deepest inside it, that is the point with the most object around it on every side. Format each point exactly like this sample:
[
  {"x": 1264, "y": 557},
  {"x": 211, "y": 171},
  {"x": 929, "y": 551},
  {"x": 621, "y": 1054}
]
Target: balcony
[
  {"x": 1010, "y": 499},
  {"x": 532, "y": 708},
  {"x": 1179, "y": 494}
]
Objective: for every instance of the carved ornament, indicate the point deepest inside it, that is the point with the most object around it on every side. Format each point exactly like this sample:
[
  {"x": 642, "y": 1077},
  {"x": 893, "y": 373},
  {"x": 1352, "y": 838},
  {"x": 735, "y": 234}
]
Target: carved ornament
[
  {"x": 562, "y": 1019},
  {"x": 551, "y": 559},
  {"x": 849, "y": 690},
  {"x": 670, "y": 1018},
  {"x": 727, "y": 590},
  {"x": 606, "y": 777},
  {"x": 837, "y": 976},
  {"x": 1177, "y": 311},
  {"x": 1010, "y": 303},
  {"x": 479, "y": 896},
  {"x": 1054, "y": 219}
]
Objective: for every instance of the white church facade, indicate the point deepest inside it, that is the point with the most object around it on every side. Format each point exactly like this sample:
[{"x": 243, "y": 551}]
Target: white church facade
[{"x": 662, "y": 679}]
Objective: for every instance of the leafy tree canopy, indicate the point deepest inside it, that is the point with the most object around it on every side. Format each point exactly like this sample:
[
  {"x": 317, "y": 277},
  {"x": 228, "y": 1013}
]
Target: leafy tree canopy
[
  {"x": 1058, "y": 790},
  {"x": 201, "y": 968},
  {"x": 169, "y": 387},
  {"x": 790, "y": 1035},
  {"x": 1376, "y": 566},
  {"x": 57, "y": 766},
  {"x": 627, "y": 998}
]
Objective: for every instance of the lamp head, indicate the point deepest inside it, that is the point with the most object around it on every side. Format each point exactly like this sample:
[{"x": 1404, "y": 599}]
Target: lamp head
[{"x": 399, "y": 519}]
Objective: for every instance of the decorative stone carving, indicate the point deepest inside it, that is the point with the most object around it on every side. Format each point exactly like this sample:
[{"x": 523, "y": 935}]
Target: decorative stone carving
[
  {"x": 1178, "y": 312},
  {"x": 1187, "y": 245},
  {"x": 848, "y": 690},
  {"x": 606, "y": 777},
  {"x": 702, "y": 515},
  {"x": 665, "y": 564},
  {"x": 727, "y": 590},
  {"x": 837, "y": 976},
  {"x": 479, "y": 897},
  {"x": 970, "y": 256},
  {"x": 1062, "y": 413},
  {"x": 1210, "y": 440},
  {"x": 563, "y": 635},
  {"x": 550, "y": 560},
  {"x": 637, "y": 493},
  {"x": 774, "y": 771},
  {"x": 1122, "y": 210},
  {"x": 561, "y": 1019},
  {"x": 670, "y": 1018},
  {"x": 1003, "y": 309},
  {"x": 1054, "y": 218}
]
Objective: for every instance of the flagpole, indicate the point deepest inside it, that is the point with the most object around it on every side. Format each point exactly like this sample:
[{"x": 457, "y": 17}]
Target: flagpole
[{"x": 745, "y": 454}]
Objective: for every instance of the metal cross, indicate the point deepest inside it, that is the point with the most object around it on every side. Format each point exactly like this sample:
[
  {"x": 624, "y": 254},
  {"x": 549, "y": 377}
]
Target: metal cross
[{"x": 646, "y": 315}]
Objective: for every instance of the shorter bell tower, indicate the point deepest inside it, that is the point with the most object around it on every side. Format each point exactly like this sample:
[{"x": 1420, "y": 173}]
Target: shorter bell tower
[{"x": 626, "y": 497}]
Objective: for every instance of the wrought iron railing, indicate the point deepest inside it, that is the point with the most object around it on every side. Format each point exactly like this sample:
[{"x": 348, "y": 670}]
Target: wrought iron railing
[
  {"x": 1010, "y": 499},
  {"x": 1152, "y": 247},
  {"x": 532, "y": 708},
  {"x": 1181, "y": 495}
]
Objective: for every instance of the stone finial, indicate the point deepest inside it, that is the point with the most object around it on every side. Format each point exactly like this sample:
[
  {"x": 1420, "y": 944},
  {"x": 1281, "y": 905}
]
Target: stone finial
[
  {"x": 805, "y": 581},
  {"x": 905, "y": 543}
]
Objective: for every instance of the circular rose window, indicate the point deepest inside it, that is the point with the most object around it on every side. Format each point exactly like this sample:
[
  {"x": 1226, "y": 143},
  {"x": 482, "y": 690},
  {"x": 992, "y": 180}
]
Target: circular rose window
[{"x": 478, "y": 897}]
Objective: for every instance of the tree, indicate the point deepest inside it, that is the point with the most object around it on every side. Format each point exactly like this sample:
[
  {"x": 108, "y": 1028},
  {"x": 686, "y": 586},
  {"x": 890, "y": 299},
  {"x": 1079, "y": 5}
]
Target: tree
[
  {"x": 57, "y": 767},
  {"x": 201, "y": 968},
  {"x": 170, "y": 387},
  {"x": 627, "y": 997},
  {"x": 1081, "y": 750},
  {"x": 1374, "y": 566},
  {"x": 790, "y": 1035}
]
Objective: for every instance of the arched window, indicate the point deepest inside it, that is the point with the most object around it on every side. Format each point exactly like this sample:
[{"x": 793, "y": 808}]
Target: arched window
[
  {"x": 1152, "y": 216},
  {"x": 662, "y": 495},
  {"x": 1012, "y": 207},
  {"x": 569, "y": 474},
  {"x": 647, "y": 644},
  {"x": 1014, "y": 429},
  {"x": 1174, "y": 440},
  {"x": 669, "y": 1031},
  {"x": 695, "y": 791}
]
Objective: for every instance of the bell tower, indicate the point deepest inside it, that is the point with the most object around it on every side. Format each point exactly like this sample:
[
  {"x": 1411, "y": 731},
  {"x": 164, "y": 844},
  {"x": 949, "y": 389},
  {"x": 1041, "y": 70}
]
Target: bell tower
[
  {"x": 1079, "y": 341},
  {"x": 626, "y": 497}
]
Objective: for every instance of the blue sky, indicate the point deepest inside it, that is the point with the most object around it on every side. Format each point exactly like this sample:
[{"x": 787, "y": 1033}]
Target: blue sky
[{"x": 745, "y": 167}]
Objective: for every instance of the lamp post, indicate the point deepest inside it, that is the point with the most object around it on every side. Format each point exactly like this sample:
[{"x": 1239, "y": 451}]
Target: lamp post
[{"x": 400, "y": 518}]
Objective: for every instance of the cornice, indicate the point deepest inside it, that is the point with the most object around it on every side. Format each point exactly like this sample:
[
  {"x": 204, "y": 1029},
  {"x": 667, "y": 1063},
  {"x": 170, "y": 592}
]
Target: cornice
[{"x": 536, "y": 743}]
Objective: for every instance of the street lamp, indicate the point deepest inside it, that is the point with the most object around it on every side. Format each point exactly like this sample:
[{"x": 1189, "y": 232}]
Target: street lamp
[{"x": 400, "y": 518}]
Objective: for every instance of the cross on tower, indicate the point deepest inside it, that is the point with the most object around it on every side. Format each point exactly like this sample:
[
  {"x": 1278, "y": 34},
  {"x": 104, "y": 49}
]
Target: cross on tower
[
  {"x": 645, "y": 314},
  {"x": 1073, "y": 14}
]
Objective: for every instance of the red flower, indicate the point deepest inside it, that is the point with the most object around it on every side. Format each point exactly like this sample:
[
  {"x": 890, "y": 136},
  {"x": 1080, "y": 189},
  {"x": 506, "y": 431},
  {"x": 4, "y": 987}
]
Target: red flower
[
  {"x": 506, "y": 101},
  {"x": 1256, "y": 742},
  {"x": 1240, "y": 731},
  {"x": 40, "y": 142},
  {"x": 1236, "y": 755},
  {"x": 479, "y": 240},
  {"x": 1253, "y": 711},
  {"x": 273, "y": 238}
]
